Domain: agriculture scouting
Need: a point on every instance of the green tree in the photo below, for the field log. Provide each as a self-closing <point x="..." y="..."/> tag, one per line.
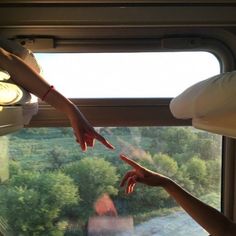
<point x="32" y="202"/>
<point x="213" y="175"/>
<point x="57" y="157"/>
<point x="213" y="199"/>
<point x="195" y="169"/>
<point x="66" y="131"/>
<point x="165" y="164"/>
<point x="206" y="148"/>
<point x="94" y="177"/>
<point x="14" y="168"/>
<point x="178" y="139"/>
<point x="183" y="179"/>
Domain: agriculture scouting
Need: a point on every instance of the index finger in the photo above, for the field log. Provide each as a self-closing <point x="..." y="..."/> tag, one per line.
<point x="132" y="163"/>
<point x="103" y="141"/>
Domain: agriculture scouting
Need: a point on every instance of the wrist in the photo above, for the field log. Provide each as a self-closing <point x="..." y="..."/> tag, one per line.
<point x="73" y="111"/>
<point x="49" y="90"/>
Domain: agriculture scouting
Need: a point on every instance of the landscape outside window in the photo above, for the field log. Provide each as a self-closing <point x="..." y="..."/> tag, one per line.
<point x="52" y="188"/>
<point x="49" y="187"/>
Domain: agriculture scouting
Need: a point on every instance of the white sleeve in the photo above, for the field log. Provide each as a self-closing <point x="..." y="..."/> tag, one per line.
<point x="212" y="96"/>
<point x="211" y="104"/>
<point x="222" y="124"/>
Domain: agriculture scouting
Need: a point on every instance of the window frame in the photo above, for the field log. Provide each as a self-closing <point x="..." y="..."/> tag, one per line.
<point x="128" y="111"/>
<point x="148" y="111"/>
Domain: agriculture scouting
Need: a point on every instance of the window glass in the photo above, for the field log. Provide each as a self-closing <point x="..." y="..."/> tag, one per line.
<point x="49" y="187"/>
<point x="126" y="75"/>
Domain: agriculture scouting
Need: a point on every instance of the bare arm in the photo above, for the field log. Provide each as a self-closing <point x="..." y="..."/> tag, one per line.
<point x="209" y="218"/>
<point x="29" y="79"/>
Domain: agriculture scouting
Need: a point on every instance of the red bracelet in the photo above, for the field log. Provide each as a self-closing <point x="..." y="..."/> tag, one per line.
<point x="48" y="91"/>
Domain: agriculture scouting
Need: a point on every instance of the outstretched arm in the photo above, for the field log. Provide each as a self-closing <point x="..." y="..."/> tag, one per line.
<point x="209" y="218"/>
<point x="30" y="80"/>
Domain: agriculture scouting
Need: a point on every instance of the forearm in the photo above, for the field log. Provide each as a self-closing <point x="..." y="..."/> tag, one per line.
<point x="30" y="80"/>
<point x="58" y="101"/>
<point x="209" y="218"/>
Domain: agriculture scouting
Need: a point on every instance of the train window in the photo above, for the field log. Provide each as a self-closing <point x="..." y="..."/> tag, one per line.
<point x="63" y="189"/>
<point x="49" y="187"/>
<point x="125" y="75"/>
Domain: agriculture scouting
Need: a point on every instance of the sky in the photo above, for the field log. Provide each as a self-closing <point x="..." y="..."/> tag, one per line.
<point x="126" y="75"/>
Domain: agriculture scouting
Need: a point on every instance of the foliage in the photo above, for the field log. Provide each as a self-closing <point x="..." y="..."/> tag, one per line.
<point x="32" y="202"/>
<point x="206" y="148"/>
<point x="14" y="168"/>
<point x="213" y="168"/>
<point x="94" y="177"/>
<point x="196" y="169"/>
<point x="57" y="157"/>
<point x="189" y="156"/>
<point x="4" y="228"/>
<point x="165" y="164"/>
<point x="212" y="199"/>
<point x="146" y="199"/>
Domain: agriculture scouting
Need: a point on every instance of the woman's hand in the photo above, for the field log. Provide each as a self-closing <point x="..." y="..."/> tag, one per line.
<point x="213" y="221"/>
<point x="140" y="174"/>
<point x="84" y="132"/>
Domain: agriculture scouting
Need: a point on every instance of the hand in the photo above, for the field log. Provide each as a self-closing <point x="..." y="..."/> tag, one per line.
<point x="84" y="132"/>
<point x="140" y="174"/>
